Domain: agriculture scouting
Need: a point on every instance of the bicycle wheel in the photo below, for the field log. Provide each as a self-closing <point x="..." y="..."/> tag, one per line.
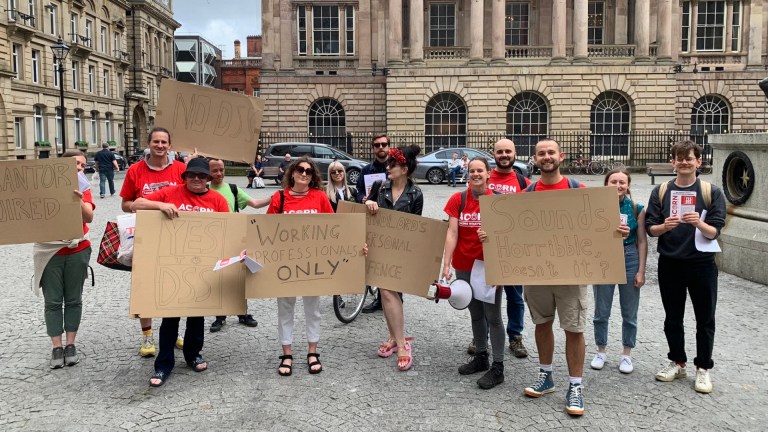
<point x="574" y="167"/>
<point x="596" y="168"/>
<point x="618" y="165"/>
<point x="348" y="306"/>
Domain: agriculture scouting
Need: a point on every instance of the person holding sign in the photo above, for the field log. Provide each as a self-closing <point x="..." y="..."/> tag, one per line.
<point x="398" y="193"/>
<point x="462" y="248"/>
<point x="632" y="229"/>
<point x="153" y="173"/>
<point x="678" y="211"/>
<point x="60" y="270"/>
<point x="569" y="301"/>
<point x="337" y="187"/>
<point x="194" y="195"/>
<point x="302" y="193"/>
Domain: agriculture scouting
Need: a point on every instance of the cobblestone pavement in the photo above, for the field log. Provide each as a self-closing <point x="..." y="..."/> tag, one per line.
<point x="109" y="389"/>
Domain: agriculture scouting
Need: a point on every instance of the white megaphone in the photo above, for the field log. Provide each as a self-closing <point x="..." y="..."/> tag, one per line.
<point x="458" y="293"/>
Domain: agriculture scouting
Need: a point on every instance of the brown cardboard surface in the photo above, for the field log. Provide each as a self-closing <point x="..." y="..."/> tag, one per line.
<point x="217" y="123"/>
<point x="405" y="251"/>
<point x="565" y="237"/>
<point x="37" y="201"/>
<point x="306" y="255"/>
<point x="173" y="265"/>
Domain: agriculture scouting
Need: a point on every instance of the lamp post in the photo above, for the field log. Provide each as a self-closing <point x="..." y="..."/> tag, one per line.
<point x="60" y="52"/>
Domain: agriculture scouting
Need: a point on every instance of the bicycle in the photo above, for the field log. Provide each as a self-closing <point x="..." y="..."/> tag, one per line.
<point x="588" y="166"/>
<point x="532" y="168"/>
<point x="348" y="306"/>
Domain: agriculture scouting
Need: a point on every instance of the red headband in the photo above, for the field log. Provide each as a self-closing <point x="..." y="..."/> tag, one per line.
<point x="398" y="156"/>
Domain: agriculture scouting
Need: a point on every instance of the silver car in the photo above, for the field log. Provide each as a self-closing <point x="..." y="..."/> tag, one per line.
<point x="321" y="154"/>
<point x="446" y="154"/>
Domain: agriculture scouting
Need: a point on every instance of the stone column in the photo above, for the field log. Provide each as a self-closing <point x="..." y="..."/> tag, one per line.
<point x="395" y="34"/>
<point x="642" y="29"/>
<point x="580" y="16"/>
<point x="620" y="23"/>
<point x="664" y="31"/>
<point x="364" y="35"/>
<point x="476" y="33"/>
<point x="498" y="32"/>
<point x="754" y="59"/>
<point x="417" y="32"/>
<point x="558" y="31"/>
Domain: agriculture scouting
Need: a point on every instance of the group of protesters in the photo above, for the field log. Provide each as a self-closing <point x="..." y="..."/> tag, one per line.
<point x="170" y="186"/>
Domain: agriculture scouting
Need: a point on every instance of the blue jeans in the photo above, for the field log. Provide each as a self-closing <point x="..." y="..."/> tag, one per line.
<point x="452" y="172"/>
<point x="103" y="177"/>
<point x="515" y="310"/>
<point x="629" y="299"/>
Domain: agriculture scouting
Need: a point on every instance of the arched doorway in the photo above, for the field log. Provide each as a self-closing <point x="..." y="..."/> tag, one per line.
<point x="138" y="128"/>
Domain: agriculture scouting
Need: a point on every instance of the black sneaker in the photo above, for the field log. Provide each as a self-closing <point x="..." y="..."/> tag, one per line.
<point x="493" y="377"/>
<point x="478" y="363"/>
<point x="247" y="320"/>
<point x="218" y="324"/>
<point x="57" y="358"/>
<point x="373" y="307"/>
<point x="70" y="355"/>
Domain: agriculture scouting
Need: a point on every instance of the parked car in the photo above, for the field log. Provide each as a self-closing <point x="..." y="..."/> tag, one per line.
<point x="321" y="154"/>
<point x="90" y="165"/>
<point x="433" y="171"/>
<point x="446" y="155"/>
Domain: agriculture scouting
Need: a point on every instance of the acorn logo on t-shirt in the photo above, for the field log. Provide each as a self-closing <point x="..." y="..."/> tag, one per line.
<point x="154" y="187"/>
<point x="300" y="211"/>
<point x="505" y="189"/>
<point x="471" y="220"/>
<point x="194" y="208"/>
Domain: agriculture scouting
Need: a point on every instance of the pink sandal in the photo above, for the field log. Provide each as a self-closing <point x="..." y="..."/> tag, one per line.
<point x="408" y="359"/>
<point x="386" y="350"/>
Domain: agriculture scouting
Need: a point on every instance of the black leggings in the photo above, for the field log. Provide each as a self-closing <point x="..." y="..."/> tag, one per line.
<point x="485" y="315"/>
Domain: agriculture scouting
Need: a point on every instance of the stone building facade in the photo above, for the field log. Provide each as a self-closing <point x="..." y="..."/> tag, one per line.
<point x="119" y="51"/>
<point x="241" y="74"/>
<point x="447" y="69"/>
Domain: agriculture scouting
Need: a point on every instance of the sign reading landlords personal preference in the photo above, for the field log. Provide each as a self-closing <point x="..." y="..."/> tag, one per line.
<point x="553" y="238"/>
<point x="306" y="255"/>
<point x="404" y="250"/>
<point x="38" y="202"/>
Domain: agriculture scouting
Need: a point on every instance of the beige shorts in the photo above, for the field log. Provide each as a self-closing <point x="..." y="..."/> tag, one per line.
<point x="570" y="302"/>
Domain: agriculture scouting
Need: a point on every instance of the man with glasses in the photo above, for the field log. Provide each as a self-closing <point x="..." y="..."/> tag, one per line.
<point x="380" y="144"/>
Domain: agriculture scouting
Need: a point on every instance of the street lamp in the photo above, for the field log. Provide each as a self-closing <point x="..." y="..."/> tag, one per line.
<point x="60" y="52"/>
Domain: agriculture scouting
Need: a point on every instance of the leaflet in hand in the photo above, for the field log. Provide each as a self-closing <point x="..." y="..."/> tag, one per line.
<point x="682" y="202"/>
<point x="624" y="219"/>
<point x="252" y="265"/>
<point x="370" y="179"/>
<point x="83" y="182"/>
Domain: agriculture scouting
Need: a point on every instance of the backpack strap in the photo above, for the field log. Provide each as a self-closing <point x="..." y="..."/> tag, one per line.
<point x="282" y="201"/>
<point x="706" y="192"/>
<point x="463" y="201"/>
<point x="234" y="190"/>
<point x="572" y="184"/>
<point x="531" y="187"/>
<point x="663" y="191"/>
<point x="520" y="179"/>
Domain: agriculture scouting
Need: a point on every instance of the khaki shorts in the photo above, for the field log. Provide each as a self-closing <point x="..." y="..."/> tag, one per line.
<point x="570" y="302"/>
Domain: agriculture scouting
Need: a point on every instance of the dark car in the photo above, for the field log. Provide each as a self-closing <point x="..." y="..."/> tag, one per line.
<point x="446" y="155"/>
<point x="321" y="154"/>
<point x="90" y="165"/>
<point x="433" y="171"/>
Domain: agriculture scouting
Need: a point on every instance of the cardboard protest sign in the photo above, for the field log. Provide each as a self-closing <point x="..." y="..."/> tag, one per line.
<point x="173" y="262"/>
<point x="217" y="123"/>
<point x="565" y="237"/>
<point x="38" y="202"/>
<point x="306" y="255"/>
<point x="405" y="251"/>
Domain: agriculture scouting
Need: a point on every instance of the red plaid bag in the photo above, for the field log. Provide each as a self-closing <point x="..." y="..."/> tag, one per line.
<point x="110" y="243"/>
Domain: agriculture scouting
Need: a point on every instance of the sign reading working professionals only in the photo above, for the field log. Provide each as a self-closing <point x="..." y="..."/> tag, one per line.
<point x="405" y="251"/>
<point x="565" y="237"/>
<point x="215" y="122"/>
<point x="38" y="202"/>
<point x="306" y="255"/>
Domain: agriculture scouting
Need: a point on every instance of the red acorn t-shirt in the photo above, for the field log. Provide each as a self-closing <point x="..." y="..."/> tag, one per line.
<point x="315" y="201"/>
<point x="562" y="184"/>
<point x="184" y="200"/>
<point x="468" y="247"/>
<point x="506" y="183"/>
<point x="88" y="198"/>
<point x="140" y="180"/>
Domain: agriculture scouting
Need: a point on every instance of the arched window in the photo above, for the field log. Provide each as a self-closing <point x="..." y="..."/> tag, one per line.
<point x="78" y="129"/>
<point x="39" y="124"/>
<point x="609" y="122"/>
<point x="327" y="123"/>
<point x="710" y="115"/>
<point x="445" y="122"/>
<point x="527" y="121"/>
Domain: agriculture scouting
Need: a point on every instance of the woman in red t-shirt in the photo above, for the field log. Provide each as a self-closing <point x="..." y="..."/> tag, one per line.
<point x="302" y="193"/>
<point x="60" y="270"/>
<point x="462" y="248"/>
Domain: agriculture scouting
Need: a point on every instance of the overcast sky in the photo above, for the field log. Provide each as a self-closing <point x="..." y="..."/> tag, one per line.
<point x="219" y="21"/>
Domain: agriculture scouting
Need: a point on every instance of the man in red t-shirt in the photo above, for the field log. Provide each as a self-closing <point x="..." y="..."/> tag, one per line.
<point x="193" y="195"/>
<point x="569" y="301"/>
<point x="143" y="178"/>
<point x="504" y="179"/>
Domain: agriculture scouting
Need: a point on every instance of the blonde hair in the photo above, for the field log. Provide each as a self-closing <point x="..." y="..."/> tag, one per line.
<point x="330" y="189"/>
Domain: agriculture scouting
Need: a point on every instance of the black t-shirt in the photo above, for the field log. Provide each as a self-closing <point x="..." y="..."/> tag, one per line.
<point x="104" y="160"/>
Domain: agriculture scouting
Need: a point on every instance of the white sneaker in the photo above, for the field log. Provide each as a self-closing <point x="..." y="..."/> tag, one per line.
<point x="599" y="361"/>
<point x="671" y="372"/>
<point x="626" y="365"/>
<point x="703" y="383"/>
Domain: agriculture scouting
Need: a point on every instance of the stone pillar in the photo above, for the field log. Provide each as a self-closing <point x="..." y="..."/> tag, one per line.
<point x="558" y="31"/>
<point x="642" y="29"/>
<point x="417" y="31"/>
<point x="754" y="59"/>
<point x="620" y="23"/>
<point x="395" y="34"/>
<point x="580" y="16"/>
<point x="287" y="23"/>
<point x="476" y="33"/>
<point x="364" y="35"/>
<point x="664" y="31"/>
<point x="498" y="32"/>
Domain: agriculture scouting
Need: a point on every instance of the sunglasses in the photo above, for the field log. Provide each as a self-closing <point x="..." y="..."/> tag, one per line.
<point x="309" y="172"/>
<point x="337" y="171"/>
<point x="380" y="145"/>
<point x="199" y="176"/>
